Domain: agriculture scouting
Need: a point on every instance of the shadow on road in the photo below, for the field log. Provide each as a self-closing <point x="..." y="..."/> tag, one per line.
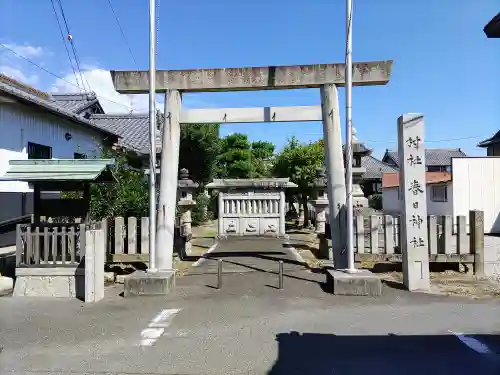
<point x="267" y="255"/>
<point x="318" y="354"/>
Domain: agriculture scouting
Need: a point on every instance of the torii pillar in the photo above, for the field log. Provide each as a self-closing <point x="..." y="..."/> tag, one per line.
<point x="327" y="77"/>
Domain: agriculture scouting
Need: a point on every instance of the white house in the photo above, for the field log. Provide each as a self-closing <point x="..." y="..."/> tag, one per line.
<point x="476" y="186"/>
<point x="439" y="193"/>
<point x="36" y="125"/>
<point x="473" y="184"/>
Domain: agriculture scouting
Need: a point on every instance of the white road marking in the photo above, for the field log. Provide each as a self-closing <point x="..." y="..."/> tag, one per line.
<point x="156" y="328"/>
<point x="201" y="260"/>
<point x="473" y="343"/>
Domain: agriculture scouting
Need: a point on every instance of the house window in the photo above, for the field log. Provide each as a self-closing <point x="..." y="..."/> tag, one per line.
<point x="78" y="155"/>
<point x="37" y="151"/>
<point x="377" y="187"/>
<point x="439" y="193"/>
<point x="438" y="168"/>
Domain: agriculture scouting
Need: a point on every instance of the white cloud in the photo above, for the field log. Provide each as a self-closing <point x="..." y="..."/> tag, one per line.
<point x="18" y="75"/>
<point x="13" y="66"/>
<point x="26" y="50"/>
<point x="99" y="81"/>
<point x="96" y="79"/>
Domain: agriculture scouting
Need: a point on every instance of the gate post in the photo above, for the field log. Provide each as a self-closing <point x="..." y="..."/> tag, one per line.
<point x="95" y="249"/>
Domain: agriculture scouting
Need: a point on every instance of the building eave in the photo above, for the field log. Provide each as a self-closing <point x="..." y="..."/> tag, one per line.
<point x="492" y="28"/>
<point x="490" y="141"/>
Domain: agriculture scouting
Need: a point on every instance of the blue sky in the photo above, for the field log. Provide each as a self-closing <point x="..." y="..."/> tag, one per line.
<point x="444" y="66"/>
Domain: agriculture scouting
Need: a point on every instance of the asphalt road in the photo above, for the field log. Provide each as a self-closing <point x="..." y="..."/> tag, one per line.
<point x="250" y="327"/>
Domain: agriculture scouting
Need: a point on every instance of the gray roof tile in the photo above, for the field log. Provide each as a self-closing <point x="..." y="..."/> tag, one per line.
<point x="375" y="167"/>
<point x="132" y="128"/>
<point x="75" y="102"/>
<point x="433" y="156"/>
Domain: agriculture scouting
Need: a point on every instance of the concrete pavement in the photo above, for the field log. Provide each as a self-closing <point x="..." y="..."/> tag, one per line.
<point x="248" y="254"/>
<point x="251" y="327"/>
<point x="247" y="328"/>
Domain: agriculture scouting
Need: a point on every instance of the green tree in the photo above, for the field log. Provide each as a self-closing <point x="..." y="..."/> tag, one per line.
<point x="299" y="162"/>
<point x="262" y="156"/>
<point x="199" y="147"/>
<point x="234" y="160"/>
<point x="241" y="159"/>
<point x="127" y="196"/>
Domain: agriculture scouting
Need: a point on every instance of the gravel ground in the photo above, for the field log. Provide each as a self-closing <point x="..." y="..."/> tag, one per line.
<point x="448" y="282"/>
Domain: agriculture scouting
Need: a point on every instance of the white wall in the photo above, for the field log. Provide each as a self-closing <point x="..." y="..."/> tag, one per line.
<point x="20" y="124"/>
<point x="476" y="186"/>
<point x="392" y="205"/>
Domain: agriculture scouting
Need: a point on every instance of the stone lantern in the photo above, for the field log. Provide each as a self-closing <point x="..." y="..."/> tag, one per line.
<point x="185" y="189"/>
<point x="358" y="151"/>
<point x="320" y="204"/>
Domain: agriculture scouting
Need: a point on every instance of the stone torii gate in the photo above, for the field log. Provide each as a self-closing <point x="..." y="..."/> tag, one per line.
<point x="326" y="77"/>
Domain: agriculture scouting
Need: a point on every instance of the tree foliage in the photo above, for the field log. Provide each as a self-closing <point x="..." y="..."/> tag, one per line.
<point x="199" y="147"/>
<point x="239" y="158"/>
<point x="127" y="196"/>
<point x="262" y="157"/>
<point x="299" y="162"/>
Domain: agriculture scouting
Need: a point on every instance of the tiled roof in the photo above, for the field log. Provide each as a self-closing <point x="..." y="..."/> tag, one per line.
<point x="133" y="129"/>
<point x="48" y="105"/>
<point x="375" y="167"/>
<point x="433" y="156"/>
<point x="359" y="148"/>
<point x="75" y="102"/>
<point x="390" y="180"/>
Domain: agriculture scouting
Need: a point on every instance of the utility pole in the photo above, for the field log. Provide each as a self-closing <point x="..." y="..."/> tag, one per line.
<point x="152" y="137"/>
<point x="348" y="131"/>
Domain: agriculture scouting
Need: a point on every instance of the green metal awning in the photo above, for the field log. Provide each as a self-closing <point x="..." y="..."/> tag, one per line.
<point x="54" y="170"/>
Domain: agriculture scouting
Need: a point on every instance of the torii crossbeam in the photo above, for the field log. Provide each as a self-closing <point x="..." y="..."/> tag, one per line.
<point x="373" y="73"/>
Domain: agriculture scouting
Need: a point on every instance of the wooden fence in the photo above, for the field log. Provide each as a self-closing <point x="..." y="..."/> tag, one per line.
<point x="378" y="237"/>
<point x="127" y="240"/>
<point x="49" y="245"/>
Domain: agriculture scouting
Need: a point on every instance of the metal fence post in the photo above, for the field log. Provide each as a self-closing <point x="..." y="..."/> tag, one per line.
<point x="280" y="275"/>
<point x="219" y="274"/>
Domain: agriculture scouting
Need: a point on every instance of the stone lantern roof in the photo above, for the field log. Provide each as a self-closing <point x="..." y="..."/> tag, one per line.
<point x="321" y="180"/>
<point x="184" y="181"/>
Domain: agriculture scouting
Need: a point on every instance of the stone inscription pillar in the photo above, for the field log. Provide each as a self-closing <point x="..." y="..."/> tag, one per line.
<point x="412" y="182"/>
<point x="168" y="181"/>
<point x="334" y="162"/>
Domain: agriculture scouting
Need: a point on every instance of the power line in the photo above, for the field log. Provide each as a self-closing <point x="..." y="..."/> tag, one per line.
<point x="58" y="76"/>
<point x="65" y="45"/>
<point x="73" y="47"/>
<point x="426" y="141"/>
<point x="123" y="34"/>
<point x="157" y="26"/>
<point x="437" y="140"/>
